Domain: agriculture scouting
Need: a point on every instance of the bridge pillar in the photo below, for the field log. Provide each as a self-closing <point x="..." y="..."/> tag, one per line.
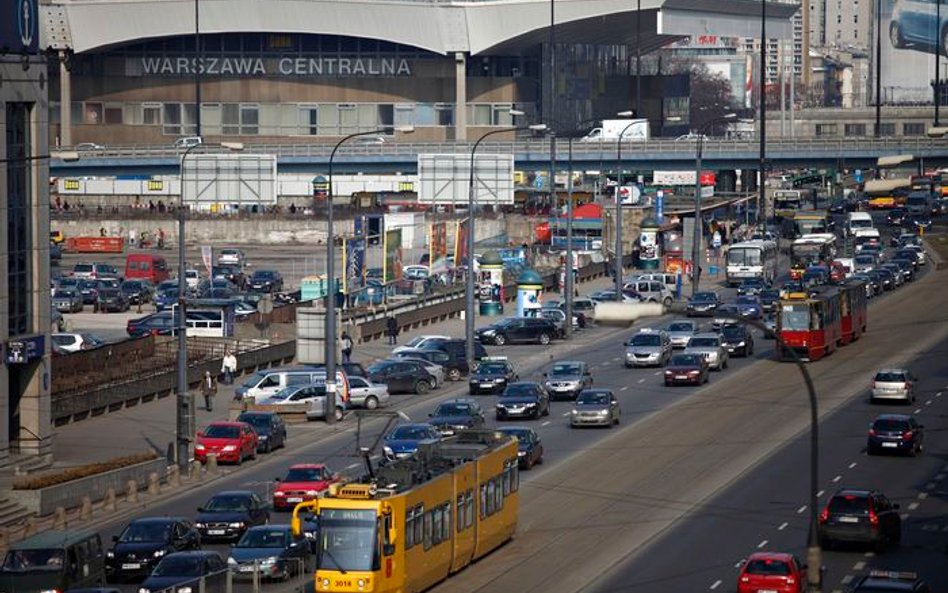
<point x="65" y="101"/>
<point x="748" y="179"/>
<point x="726" y="181"/>
<point x="460" y="96"/>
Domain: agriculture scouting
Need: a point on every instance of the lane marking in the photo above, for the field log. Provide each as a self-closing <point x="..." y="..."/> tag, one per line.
<point x="913" y="505"/>
<point x="922" y="495"/>
<point x="352" y="466"/>
<point x="547" y="423"/>
<point x="852" y="465"/>
<point x="846" y="579"/>
<point x="624" y="387"/>
<point x="930" y="486"/>
<point x="917" y="411"/>
<point x="641" y="380"/>
<point x="939" y="477"/>
<point x="657" y="373"/>
<point x="869" y="554"/>
<point x="938" y="394"/>
<point x="820" y="493"/>
<point x="761" y="544"/>
<point x="928" y="403"/>
<point x="565" y="414"/>
<point x="715" y="585"/>
<point x="837" y="478"/>
<point x="859" y="565"/>
<point x="801" y="509"/>
<point x="738" y="563"/>
<point x="782" y="526"/>
<point x="904" y="516"/>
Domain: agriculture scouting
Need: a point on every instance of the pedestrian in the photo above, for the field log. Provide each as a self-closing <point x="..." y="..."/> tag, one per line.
<point x="392" y="330"/>
<point x="229" y="367"/>
<point x="346" y="344"/>
<point x="102" y="232"/>
<point x="208" y="390"/>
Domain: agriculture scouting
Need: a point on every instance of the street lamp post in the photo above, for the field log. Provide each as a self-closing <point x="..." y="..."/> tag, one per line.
<point x="469" y="276"/>
<point x="184" y="409"/>
<point x="696" y="243"/>
<point x="762" y="174"/>
<point x="939" y="35"/>
<point x="618" y="241"/>
<point x="330" y="334"/>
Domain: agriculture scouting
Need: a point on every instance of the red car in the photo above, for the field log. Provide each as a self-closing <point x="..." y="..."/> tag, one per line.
<point x="772" y="571"/>
<point x="232" y="442"/>
<point x="302" y="482"/>
<point x="687" y="369"/>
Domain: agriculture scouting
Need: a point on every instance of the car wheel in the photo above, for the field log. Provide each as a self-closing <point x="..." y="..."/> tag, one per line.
<point x="253" y="453"/>
<point x="422" y="387"/>
<point x="895" y="35"/>
<point x="339" y="415"/>
<point x="240" y="458"/>
<point x="724" y="364"/>
<point x="500" y="339"/>
<point x="454" y="374"/>
<point x="667" y="302"/>
<point x="544" y="339"/>
<point x="371" y="403"/>
<point x="268" y="448"/>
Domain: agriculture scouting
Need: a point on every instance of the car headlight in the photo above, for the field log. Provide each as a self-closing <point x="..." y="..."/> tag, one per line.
<point x="229" y="448"/>
<point x="574" y="412"/>
<point x="184" y="590"/>
<point x="312" y="492"/>
<point x="530" y="405"/>
<point x="521" y="453"/>
<point x="270" y="560"/>
<point x="231" y="561"/>
<point x="262" y="437"/>
<point x="499" y="380"/>
<point x="143" y="590"/>
<point x="279" y="493"/>
<point x="741" y="344"/>
<point x="237" y="525"/>
<point x="159" y="553"/>
<point x="388" y="451"/>
<point x="489" y="332"/>
<point x="667" y="372"/>
<point x="200" y="525"/>
<point x="603" y="412"/>
<point x="110" y="554"/>
<point x="198" y="447"/>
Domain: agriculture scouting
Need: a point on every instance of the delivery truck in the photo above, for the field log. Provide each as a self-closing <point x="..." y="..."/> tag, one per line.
<point x="635" y="130"/>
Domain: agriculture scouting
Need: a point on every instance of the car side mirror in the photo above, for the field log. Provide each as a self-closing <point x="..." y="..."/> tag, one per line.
<point x="115" y="538"/>
<point x="200" y="509"/>
<point x="431" y="415"/>
<point x="276" y="479"/>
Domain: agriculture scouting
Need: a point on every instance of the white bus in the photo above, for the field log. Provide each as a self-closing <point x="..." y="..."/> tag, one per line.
<point x="206" y="321"/>
<point x="751" y="259"/>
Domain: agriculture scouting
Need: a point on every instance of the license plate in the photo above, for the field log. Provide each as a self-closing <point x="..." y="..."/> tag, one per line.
<point x="215" y="532"/>
<point x="131" y="566"/>
<point x="766" y="591"/>
<point x="680" y="377"/>
<point x="890" y="444"/>
<point x="848" y="520"/>
<point x="294" y="499"/>
<point x="248" y="568"/>
<point x="487" y="385"/>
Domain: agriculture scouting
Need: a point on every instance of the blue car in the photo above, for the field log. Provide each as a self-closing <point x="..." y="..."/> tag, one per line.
<point x="156" y="324"/>
<point x="165" y="299"/>
<point x="405" y="439"/>
<point x="749" y="306"/>
<point x="914" y="25"/>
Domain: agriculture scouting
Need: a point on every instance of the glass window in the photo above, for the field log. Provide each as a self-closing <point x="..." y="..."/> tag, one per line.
<point x="172" y="119"/>
<point x="479" y="115"/>
<point x="445" y="114"/>
<point x="483" y="501"/>
<point x="210" y="118"/>
<point x="427" y="535"/>
<point x="151" y="114"/>
<point x="419" y="523"/>
<point x="446" y="524"/>
<point x="851" y="130"/>
<point x="249" y="120"/>
<point x="913" y="129"/>
<point x="505" y="479"/>
<point x="308" y="120"/>
<point x="460" y="512"/>
<point x="437" y="525"/>
<point x="827" y="130"/>
<point x="133" y="114"/>
<point x="188" y="119"/>
<point x="230" y="119"/>
<point x="404" y="114"/>
<point x="501" y="115"/>
<point x="19" y="218"/>
<point x="469" y="508"/>
<point x="498" y="494"/>
<point x="887" y="129"/>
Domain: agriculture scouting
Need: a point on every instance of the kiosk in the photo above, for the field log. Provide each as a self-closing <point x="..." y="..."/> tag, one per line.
<point x="529" y="293"/>
<point x="490" y="287"/>
<point x="650" y="254"/>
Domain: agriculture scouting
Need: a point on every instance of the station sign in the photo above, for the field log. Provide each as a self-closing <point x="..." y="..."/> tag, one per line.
<point x="19" y="27"/>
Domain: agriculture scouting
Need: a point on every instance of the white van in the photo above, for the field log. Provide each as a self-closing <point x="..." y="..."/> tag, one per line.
<point x="863" y="238"/>
<point x="669" y="280"/>
<point x="263" y="384"/>
<point x="188" y="142"/>
<point x="858" y="220"/>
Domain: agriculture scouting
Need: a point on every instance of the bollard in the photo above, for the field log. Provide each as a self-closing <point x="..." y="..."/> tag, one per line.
<point x="59" y="518"/>
<point x="196" y="473"/>
<point x="212" y="464"/>
<point x="132" y="491"/>
<point x="154" y="483"/>
<point x="30" y="527"/>
<point x="108" y="503"/>
<point x="85" y="512"/>
<point x="174" y="476"/>
<point x="169" y="455"/>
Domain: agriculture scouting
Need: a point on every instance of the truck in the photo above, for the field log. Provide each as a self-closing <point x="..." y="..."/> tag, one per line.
<point x="636" y="130"/>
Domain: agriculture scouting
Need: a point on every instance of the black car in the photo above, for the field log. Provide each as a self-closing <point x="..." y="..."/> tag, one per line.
<point x="860" y="516"/>
<point x="881" y="281"/>
<point x="144" y="542"/>
<point x="737" y="340"/>
<point x="187" y="568"/>
<point x="266" y="281"/>
<point x="270" y="427"/>
<point x="401" y="376"/>
<point x="769" y="297"/>
<point x="136" y="291"/>
<point x="271" y="550"/>
<point x="491" y="376"/>
<point x="529" y="445"/>
<point x="232" y="274"/>
<point x="909" y="254"/>
<point x="156" y="324"/>
<point x="228" y="514"/>
<point x="898" y="433"/>
<point x="452" y="366"/>
<point x="895" y="216"/>
<point x="351" y="369"/>
<point x="513" y="330"/>
<point x="702" y="303"/>
<point x="89" y="289"/>
<point x="111" y="299"/>
<point x="890" y="581"/>
<point x="523" y="400"/>
<point x="458" y="414"/>
<point x="751" y="286"/>
<point x="457" y="350"/>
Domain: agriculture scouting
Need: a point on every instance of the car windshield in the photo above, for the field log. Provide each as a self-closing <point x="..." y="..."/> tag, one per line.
<point x="348" y="540"/>
<point x="222" y="432"/>
<point x="703" y="343"/>
<point x="263" y="538"/>
<point x="523" y="434"/>
<point x="410" y="433"/>
<point x="519" y="389"/>
<point x="33" y="560"/>
<point x="180" y="566"/>
<point x="849" y="505"/>
<point x="681" y="327"/>
<point x="64" y="294"/>
<point x="146" y="532"/>
<point x="304" y="474"/>
<point x="733" y="332"/>
<point x="593" y="398"/>
<point x="769" y="293"/>
<point x="453" y="410"/>
<point x="566" y="369"/>
<point x="256" y="420"/>
<point x="263" y="274"/>
<point x="795" y="317"/>
<point x="685" y="360"/>
<point x="891" y="424"/>
<point x="889" y="377"/>
<point x="82" y="268"/>
<point x="492" y="368"/>
<point x="767" y="567"/>
<point x="646" y="340"/>
<point x="704" y="296"/>
<point x="228" y="503"/>
<point x="377" y="367"/>
<point x="746" y="300"/>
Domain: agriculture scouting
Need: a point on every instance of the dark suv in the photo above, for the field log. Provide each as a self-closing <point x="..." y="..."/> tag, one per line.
<point x="457" y="350"/>
<point x="860" y="516"/>
<point x="514" y="330"/>
<point x="899" y="433"/>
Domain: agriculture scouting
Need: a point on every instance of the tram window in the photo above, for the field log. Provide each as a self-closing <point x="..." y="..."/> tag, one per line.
<point x="387" y="548"/>
<point x="505" y="479"/>
<point x="409" y="528"/>
<point x="460" y="512"/>
<point x="469" y="508"/>
<point x="419" y="523"/>
<point x="446" y="525"/>
<point x="483" y="511"/>
<point x="498" y="494"/>
<point x="515" y="477"/>
<point x="427" y="523"/>
<point x="817" y="319"/>
<point x="437" y="525"/>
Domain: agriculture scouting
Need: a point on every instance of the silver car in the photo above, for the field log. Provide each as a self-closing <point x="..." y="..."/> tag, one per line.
<point x="679" y="332"/>
<point x="648" y="348"/>
<point x="709" y="346"/>
<point x="565" y="379"/>
<point x="893" y="385"/>
<point x="595" y="407"/>
<point x="364" y="394"/>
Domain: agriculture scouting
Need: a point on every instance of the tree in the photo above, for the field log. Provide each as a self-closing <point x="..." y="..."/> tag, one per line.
<point x="711" y="98"/>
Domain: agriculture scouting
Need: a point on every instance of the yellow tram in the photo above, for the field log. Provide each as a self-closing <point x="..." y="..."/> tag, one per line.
<point x="419" y="519"/>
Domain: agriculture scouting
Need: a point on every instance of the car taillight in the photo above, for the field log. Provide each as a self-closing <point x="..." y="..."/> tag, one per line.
<point x="873" y="517"/>
<point x="745" y="579"/>
<point x="825" y="515"/>
<point x="907" y="435"/>
<point x="872" y="432"/>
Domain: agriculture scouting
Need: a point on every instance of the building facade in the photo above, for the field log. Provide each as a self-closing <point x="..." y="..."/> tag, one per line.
<point x="24" y="238"/>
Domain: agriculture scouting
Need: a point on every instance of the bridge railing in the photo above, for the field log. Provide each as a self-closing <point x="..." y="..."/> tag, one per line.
<point x="606" y="150"/>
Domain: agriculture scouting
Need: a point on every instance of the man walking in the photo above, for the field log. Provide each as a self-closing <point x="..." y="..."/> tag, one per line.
<point x="392" y="331"/>
<point x="345" y="343"/>
<point x="208" y="390"/>
<point x="229" y="367"/>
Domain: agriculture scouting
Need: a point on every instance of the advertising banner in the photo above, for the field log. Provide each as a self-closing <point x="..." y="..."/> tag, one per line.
<point x="460" y="242"/>
<point x="392" y="263"/>
<point x="437" y="241"/>
<point x="354" y="257"/>
<point x="909" y="42"/>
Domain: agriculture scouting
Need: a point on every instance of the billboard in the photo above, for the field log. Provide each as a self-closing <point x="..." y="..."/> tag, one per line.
<point x="437" y="241"/>
<point x="229" y="178"/>
<point x="354" y="257"/>
<point x="392" y="263"/>
<point x="445" y="178"/>
<point x="909" y="40"/>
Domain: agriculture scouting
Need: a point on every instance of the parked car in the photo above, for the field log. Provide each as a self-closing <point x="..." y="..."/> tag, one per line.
<point x="156" y="324"/>
<point x="270" y="428"/>
<point x="365" y="394"/>
<point x="232" y="442"/>
<point x="515" y="330"/>
<point x="301" y="483"/>
<point x="64" y="343"/>
<point x="529" y="445"/>
<point x="438" y="364"/>
<point x="137" y="291"/>
<point x="595" y="407"/>
<point x="226" y="515"/>
<point x="144" y="542"/>
<point x="400" y="377"/>
<point x="231" y="257"/>
<point x="268" y="281"/>
<point x="89" y="291"/>
<point x="457" y="350"/>
<point x="272" y="551"/>
<point x="185" y="570"/>
<point x="419" y="342"/>
<point x="112" y="300"/>
<point x="67" y="300"/>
